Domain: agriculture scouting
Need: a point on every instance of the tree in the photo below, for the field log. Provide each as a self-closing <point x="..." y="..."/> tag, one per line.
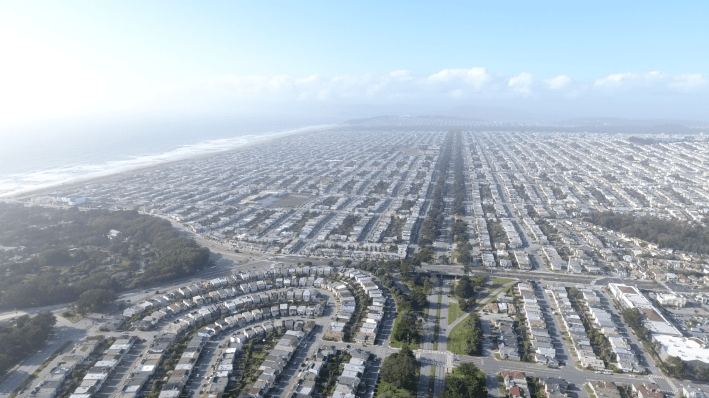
<point x="407" y="329"/>
<point x="464" y="288"/>
<point x="95" y="300"/>
<point x="424" y="255"/>
<point x="675" y="367"/>
<point x="466" y="381"/>
<point x="419" y="299"/>
<point x="22" y="339"/>
<point x="67" y="252"/>
<point x="634" y="318"/>
<point x="386" y="390"/>
<point x="467" y="304"/>
<point x="701" y="373"/>
<point x="399" y="369"/>
<point x="674" y="234"/>
<point x="475" y="339"/>
<point x="478" y="281"/>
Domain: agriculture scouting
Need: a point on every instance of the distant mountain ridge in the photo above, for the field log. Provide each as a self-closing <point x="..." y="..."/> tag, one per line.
<point x="585" y="125"/>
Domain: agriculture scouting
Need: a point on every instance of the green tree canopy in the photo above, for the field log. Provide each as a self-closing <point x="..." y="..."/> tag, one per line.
<point x="22" y="339"/>
<point x="95" y="300"/>
<point x="399" y="369"/>
<point x="466" y="381"/>
<point x="408" y="328"/>
<point x="464" y="288"/>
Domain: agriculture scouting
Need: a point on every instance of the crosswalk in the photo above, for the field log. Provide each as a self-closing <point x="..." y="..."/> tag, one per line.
<point x="667" y="379"/>
<point x="425" y="351"/>
<point x="476" y="361"/>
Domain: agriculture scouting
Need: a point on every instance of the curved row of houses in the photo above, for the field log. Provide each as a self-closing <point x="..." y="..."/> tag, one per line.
<point x="219" y="312"/>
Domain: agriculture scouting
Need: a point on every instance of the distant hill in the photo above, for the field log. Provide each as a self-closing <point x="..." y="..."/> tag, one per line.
<point x="443" y="122"/>
<point x="616" y="122"/>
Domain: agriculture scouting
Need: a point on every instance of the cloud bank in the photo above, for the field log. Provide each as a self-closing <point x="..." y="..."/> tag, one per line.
<point x="51" y="85"/>
<point x="452" y="85"/>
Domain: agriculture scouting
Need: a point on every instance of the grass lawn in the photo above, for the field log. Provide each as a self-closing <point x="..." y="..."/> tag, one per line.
<point x="432" y="381"/>
<point x="590" y="392"/>
<point x="488" y="301"/>
<point x="453" y="312"/>
<point x="457" y="339"/>
<point x="72" y="317"/>
<point x="497" y="282"/>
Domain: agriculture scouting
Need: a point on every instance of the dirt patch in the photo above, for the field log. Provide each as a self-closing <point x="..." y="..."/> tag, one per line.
<point x="290" y="201"/>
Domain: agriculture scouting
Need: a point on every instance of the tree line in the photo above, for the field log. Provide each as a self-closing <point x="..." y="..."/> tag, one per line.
<point x="22" y="338"/>
<point x="671" y="234"/>
<point x="66" y="252"/>
<point x="434" y="218"/>
<point x="474" y="340"/>
<point x="463" y="249"/>
<point x="458" y="178"/>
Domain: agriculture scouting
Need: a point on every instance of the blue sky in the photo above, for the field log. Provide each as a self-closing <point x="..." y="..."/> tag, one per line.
<point x="92" y="58"/>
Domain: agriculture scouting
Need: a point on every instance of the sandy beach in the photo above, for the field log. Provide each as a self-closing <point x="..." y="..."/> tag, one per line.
<point x="80" y="182"/>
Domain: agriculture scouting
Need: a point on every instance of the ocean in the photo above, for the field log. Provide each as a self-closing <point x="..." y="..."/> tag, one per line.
<point x="50" y="156"/>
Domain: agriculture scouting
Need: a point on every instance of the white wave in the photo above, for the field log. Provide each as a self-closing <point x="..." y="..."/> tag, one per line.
<point x="55" y="176"/>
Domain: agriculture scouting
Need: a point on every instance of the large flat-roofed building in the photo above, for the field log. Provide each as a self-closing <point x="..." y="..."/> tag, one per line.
<point x="692" y="351"/>
<point x="671" y="299"/>
<point x="629" y="296"/>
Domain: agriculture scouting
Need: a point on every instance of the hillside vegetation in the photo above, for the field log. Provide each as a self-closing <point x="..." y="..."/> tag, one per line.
<point x="670" y="234"/>
<point x="51" y="256"/>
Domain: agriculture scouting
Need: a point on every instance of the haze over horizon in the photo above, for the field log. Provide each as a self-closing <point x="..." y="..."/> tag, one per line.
<point x="82" y="61"/>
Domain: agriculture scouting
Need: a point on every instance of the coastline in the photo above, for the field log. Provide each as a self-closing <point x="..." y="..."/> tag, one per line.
<point x="269" y="138"/>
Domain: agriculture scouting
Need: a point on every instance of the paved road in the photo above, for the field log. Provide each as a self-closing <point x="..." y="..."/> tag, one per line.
<point x="427" y="340"/>
<point x="564" y="353"/>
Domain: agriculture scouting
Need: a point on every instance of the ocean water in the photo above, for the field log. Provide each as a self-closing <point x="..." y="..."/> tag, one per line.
<point x="53" y="155"/>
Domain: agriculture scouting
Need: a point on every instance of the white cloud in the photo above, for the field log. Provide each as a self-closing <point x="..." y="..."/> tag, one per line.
<point x="475" y="78"/>
<point x="521" y="83"/>
<point x="41" y="82"/>
<point x="629" y="81"/>
<point x="615" y="80"/>
<point x="558" y="83"/>
<point x="449" y="85"/>
<point x="689" y="82"/>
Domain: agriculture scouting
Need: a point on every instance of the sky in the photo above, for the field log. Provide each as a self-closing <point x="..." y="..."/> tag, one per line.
<point x="98" y="59"/>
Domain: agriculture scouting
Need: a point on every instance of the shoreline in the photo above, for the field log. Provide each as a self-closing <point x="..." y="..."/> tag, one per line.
<point x="41" y="191"/>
